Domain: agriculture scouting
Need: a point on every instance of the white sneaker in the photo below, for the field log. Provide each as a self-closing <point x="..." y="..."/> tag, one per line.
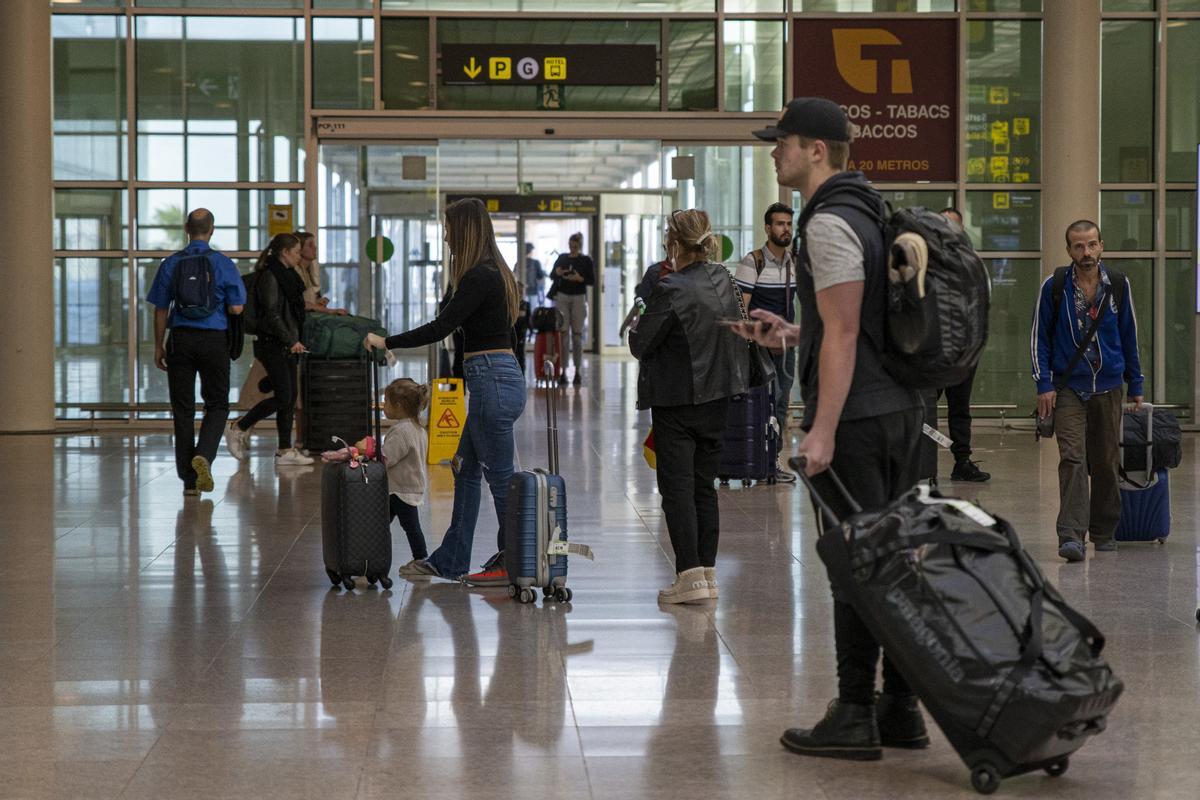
<point x="235" y="441"/>
<point x="292" y="458"/>
<point x="710" y="575"/>
<point x="689" y="587"/>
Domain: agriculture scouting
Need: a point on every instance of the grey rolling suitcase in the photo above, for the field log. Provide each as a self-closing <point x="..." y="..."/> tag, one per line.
<point x="356" y="534"/>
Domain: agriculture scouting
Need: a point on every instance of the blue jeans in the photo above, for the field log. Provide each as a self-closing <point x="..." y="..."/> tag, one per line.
<point x="496" y="392"/>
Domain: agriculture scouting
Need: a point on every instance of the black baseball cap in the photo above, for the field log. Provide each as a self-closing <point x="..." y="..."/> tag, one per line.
<point x="811" y="117"/>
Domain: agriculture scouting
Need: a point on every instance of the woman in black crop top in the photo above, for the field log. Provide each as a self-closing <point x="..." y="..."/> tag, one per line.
<point x="483" y="304"/>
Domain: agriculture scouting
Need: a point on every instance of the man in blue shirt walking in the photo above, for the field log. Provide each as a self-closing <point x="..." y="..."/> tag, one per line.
<point x="193" y="293"/>
<point x="1079" y="381"/>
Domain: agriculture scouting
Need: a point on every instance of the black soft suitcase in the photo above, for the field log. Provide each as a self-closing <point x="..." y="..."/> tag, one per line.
<point x="751" y="450"/>
<point x="356" y="534"/>
<point x="1011" y="673"/>
<point x="535" y="522"/>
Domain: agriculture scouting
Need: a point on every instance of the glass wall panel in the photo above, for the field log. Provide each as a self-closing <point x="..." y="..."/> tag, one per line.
<point x="219" y="3"/>
<point x="1127" y="5"/>
<point x="754" y="61"/>
<point x="87" y="3"/>
<point x="343" y="62"/>
<point x="1127" y="220"/>
<point x="91" y="219"/>
<point x="220" y="98"/>
<point x="753" y="6"/>
<point x="1004" y="220"/>
<point x="405" y="63"/>
<point x="91" y="311"/>
<point x="1127" y="101"/>
<point x="1004" y="370"/>
<point x="934" y="200"/>
<point x="862" y="6"/>
<point x="1183" y="98"/>
<point x="733" y="184"/>
<point x="1179" y="336"/>
<point x="1003" y="5"/>
<point x="363" y="4"/>
<point x="1140" y="272"/>
<point x="692" y="83"/>
<point x="240" y="215"/>
<point x="1183" y="5"/>
<point x="1180" y="223"/>
<point x="1004" y="78"/>
<point x="605" y="6"/>
<point x="550" y="31"/>
<point x="89" y="97"/>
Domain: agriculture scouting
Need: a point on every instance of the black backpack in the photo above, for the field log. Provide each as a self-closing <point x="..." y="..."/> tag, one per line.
<point x="194" y="286"/>
<point x="545" y="319"/>
<point x="250" y="309"/>
<point x="935" y="340"/>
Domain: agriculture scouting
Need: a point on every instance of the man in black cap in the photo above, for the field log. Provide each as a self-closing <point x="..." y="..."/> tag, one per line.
<point x="858" y="420"/>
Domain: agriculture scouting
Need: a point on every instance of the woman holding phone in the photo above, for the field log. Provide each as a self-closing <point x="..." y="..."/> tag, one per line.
<point x="690" y="365"/>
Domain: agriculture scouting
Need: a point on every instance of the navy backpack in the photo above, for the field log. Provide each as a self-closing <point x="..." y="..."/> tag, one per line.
<point x="195" y="286"/>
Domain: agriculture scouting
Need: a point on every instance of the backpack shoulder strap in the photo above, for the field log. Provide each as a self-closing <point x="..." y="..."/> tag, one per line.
<point x="759" y="263"/>
<point x="1119" y="284"/>
<point x="1058" y="285"/>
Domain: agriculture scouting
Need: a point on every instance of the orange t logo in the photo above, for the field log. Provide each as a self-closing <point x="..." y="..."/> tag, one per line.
<point x="863" y="73"/>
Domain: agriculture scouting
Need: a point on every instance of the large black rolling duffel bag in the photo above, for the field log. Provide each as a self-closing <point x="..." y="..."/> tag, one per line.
<point x="356" y="536"/>
<point x="1011" y="673"/>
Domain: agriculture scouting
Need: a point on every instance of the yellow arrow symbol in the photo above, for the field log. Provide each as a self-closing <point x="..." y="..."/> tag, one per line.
<point x="473" y="69"/>
<point x="541" y="205"/>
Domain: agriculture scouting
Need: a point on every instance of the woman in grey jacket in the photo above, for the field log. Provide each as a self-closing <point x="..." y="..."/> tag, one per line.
<point x="689" y="368"/>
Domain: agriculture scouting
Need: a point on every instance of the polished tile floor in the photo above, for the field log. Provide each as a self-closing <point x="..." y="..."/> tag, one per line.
<point x="162" y="648"/>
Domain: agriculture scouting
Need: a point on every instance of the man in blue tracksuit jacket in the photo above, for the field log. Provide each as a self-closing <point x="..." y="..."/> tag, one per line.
<point x="1086" y="403"/>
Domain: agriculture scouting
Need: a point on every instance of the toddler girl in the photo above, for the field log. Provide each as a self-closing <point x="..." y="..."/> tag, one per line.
<point x="404" y="451"/>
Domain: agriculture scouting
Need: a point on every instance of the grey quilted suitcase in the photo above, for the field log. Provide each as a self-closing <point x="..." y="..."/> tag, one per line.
<point x="356" y="534"/>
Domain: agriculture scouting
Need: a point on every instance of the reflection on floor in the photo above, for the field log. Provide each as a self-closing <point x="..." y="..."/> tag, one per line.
<point x="152" y="647"/>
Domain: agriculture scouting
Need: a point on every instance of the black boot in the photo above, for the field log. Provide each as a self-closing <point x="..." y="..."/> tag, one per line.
<point x="847" y="731"/>
<point x="900" y="722"/>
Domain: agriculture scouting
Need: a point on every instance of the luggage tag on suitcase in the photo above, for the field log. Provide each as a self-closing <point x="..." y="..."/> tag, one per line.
<point x="968" y="510"/>
<point x="939" y="437"/>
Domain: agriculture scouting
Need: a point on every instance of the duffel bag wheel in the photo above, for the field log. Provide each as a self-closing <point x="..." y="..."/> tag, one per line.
<point x="1198" y="615"/>
<point x="1058" y="767"/>
<point x="985" y="779"/>
<point x="527" y="595"/>
<point x="385" y="582"/>
<point x="334" y="577"/>
<point x="563" y="595"/>
<point x="348" y="583"/>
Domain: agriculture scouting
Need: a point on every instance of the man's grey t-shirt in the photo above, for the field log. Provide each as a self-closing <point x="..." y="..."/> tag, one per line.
<point x="835" y="255"/>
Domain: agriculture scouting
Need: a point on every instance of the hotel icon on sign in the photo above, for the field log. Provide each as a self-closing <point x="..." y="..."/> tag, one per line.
<point x="556" y="68"/>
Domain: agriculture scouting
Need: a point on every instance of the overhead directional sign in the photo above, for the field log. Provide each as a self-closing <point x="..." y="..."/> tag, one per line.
<point x="531" y="64"/>
<point x="534" y="203"/>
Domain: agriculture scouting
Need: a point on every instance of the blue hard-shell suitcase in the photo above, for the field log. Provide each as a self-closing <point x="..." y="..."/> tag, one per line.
<point x="535" y="523"/>
<point x="1145" y="495"/>
<point x="751" y="449"/>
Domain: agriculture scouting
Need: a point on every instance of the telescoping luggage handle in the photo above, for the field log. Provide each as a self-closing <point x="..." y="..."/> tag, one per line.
<point x="551" y="417"/>
<point x="1150" y="478"/>
<point x="798" y="465"/>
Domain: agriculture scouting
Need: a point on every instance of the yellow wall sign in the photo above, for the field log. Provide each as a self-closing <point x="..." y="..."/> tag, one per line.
<point x="447" y="416"/>
<point x="279" y="219"/>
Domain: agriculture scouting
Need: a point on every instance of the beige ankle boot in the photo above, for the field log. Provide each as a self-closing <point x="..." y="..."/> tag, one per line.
<point x="689" y="587"/>
<point x="710" y="575"/>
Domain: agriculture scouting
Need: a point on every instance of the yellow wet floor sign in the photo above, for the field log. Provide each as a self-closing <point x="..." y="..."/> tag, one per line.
<point x="447" y="415"/>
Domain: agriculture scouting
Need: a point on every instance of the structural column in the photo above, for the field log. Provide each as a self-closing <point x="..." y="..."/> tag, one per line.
<point x="26" y="224"/>
<point x="1070" y="122"/>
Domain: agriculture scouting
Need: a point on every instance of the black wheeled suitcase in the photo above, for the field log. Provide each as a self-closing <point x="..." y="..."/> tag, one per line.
<point x="535" y="523"/>
<point x="1011" y="673"/>
<point x="356" y="534"/>
<point x="751" y="450"/>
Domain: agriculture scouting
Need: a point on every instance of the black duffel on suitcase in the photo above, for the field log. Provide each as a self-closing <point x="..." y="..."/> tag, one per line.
<point x="1011" y="673"/>
<point x="356" y="536"/>
<point x="1168" y="440"/>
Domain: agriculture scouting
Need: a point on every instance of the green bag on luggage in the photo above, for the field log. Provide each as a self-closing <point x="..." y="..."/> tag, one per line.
<point x="335" y="336"/>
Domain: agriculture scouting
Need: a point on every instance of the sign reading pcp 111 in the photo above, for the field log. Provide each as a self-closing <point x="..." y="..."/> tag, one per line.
<point x="897" y="79"/>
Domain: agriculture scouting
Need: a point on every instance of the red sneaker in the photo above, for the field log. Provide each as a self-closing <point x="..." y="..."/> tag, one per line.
<point x="493" y="576"/>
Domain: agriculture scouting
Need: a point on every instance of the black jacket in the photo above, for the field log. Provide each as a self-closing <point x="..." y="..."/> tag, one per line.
<point x="279" y="316"/>
<point x="686" y="357"/>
